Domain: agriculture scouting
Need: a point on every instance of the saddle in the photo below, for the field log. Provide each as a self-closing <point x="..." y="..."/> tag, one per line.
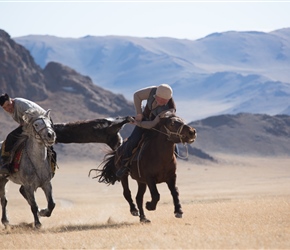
<point x="136" y="152"/>
<point x="16" y="158"/>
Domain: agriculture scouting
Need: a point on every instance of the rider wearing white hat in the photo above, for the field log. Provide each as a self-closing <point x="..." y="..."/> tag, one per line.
<point x="159" y="99"/>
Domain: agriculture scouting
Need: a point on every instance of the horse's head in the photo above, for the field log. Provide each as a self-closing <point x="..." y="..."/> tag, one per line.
<point x="40" y="125"/>
<point x="176" y="129"/>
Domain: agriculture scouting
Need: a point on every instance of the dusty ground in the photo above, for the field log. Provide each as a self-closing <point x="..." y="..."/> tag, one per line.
<point x="239" y="203"/>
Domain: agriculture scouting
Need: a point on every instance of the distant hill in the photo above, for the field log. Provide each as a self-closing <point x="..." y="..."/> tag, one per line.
<point x="222" y="73"/>
<point x="73" y="96"/>
<point x="70" y="95"/>
<point x="244" y="134"/>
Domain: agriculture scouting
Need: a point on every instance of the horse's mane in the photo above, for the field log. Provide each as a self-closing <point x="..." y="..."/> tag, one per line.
<point x="29" y="116"/>
<point x="31" y="113"/>
<point x="167" y="115"/>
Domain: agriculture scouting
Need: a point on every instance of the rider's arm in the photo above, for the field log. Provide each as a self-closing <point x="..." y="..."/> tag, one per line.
<point x="151" y="124"/>
<point x="148" y="124"/>
<point x="21" y="105"/>
<point x="139" y="96"/>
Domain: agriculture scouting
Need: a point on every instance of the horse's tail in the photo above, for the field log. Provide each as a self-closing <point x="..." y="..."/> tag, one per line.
<point x="107" y="170"/>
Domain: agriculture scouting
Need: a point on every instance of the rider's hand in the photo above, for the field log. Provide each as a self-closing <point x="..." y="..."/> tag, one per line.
<point x="138" y="117"/>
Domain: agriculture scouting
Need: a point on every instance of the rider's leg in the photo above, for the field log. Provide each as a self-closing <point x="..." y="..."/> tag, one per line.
<point x="5" y="166"/>
<point x="5" y="161"/>
<point x="12" y="138"/>
<point x="129" y="146"/>
<point x="7" y="146"/>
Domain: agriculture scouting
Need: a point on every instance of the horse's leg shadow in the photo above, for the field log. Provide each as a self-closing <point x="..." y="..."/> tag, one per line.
<point x="127" y="194"/>
<point x="155" y="196"/>
<point x="139" y="200"/>
<point x="175" y="195"/>
<point x="4" y="202"/>
<point x="47" y="189"/>
<point x="28" y="194"/>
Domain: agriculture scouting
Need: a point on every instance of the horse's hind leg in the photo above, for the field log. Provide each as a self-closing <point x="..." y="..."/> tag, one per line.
<point x="47" y="189"/>
<point x="128" y="197"/>
<point x="139" y="200"/>
<point x="175" y="195"/>
<point x="4" y="218"/>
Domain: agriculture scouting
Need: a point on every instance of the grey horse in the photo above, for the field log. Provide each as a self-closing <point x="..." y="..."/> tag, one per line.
<point x="34" y="167"/>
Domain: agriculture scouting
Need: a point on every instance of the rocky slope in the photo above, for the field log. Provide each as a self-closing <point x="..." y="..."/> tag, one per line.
<point x="72" y="97"/>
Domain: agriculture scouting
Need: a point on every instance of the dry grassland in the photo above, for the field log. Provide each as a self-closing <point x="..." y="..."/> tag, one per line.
<point x="239" y="203"/>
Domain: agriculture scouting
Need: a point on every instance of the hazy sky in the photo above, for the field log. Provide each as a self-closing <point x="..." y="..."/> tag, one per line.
<point x="177" y="19"/>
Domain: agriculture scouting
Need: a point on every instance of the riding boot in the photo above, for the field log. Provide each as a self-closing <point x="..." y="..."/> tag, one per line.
<point x="128" y="147"/>
<point x="124" y="169"/>
<point x="5" y="165"/>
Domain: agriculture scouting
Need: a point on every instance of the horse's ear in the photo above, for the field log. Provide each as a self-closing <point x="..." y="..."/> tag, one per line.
<point x="47" y="113"/>
<point x="167" y="113"/>
<point x="25" y="118"/>
<point x="28" y="114"/>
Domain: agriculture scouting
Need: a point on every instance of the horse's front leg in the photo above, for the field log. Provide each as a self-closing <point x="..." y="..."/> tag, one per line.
<point x="28" y="194"/>
<point x="139" y="200"/>
<point x="155" y="196"/>
<point x="175" y="195"/>
<point x="127" y="194"/>
<point x="4" y="218"/>
<point x="47" y="189"/>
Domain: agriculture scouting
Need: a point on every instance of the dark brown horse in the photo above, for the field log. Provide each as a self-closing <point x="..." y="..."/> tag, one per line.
<point x="154" y="163"/>
<point x="97" y="131"/>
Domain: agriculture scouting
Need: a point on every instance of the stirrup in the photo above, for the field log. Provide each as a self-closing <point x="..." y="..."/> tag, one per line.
<point x="4" y="169"/>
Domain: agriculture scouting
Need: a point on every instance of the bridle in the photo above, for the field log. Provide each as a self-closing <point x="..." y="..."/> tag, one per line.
<point x="169" y="133"/>
<point x="37" y="131"/>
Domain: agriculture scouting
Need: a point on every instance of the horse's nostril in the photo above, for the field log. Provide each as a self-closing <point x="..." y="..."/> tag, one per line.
<point x="192" y="132"/>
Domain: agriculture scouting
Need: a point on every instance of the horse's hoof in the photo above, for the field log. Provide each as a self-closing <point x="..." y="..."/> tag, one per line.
<point x="5" y="222"/>
<point x="135" y="212"/>
<point x="7" y="227"/>
<point x="37" y="225"/>
<point x="144" y="220"/>
<point x="44" y="213"/>
<point x="178" y="215"/>
<point x="149" y="206"/>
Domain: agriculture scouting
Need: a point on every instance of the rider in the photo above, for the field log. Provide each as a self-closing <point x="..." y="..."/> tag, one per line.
<point x="15" y="107"/>
<point x="159" y="99"/>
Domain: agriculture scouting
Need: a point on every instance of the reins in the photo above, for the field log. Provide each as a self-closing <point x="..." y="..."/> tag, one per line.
<point x="38" y="131"/>
<point x="178" y="134"/>
<point x="181" y="157"/>
<point x="38" y="136"/>
<point x="170" y="133"/>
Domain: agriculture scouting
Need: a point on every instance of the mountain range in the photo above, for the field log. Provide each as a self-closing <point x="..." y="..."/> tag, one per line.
<point x="222" y="73"/>
<point x="72" y="96"/>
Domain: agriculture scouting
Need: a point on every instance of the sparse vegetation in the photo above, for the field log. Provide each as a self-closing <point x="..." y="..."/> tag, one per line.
<point x="238" y="203"/>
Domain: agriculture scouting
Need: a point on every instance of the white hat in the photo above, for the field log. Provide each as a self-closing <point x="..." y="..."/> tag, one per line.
<point x="164" y="91"/>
